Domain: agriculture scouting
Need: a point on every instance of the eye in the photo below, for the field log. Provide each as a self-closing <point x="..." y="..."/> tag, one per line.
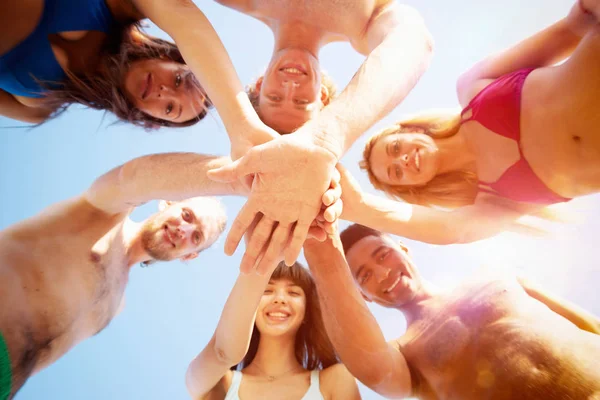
<point x="364" y="279"/>
<point x="301" y="102"/>
<point x="398" y="172"/>
<point x="177" y="80"/>
<point x="383" y="255"/>
<point x="169" y="108"/>
<point x="274" y="98"/>
<point x="186" y="215"/>
<point x="196" y="237"/>
<point x="396" y="147"/>
<point x="268" y="291"/>
<point x="294" y="293"/>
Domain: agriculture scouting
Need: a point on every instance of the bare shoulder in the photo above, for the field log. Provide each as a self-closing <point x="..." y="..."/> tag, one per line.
<point x="336" y="382"/>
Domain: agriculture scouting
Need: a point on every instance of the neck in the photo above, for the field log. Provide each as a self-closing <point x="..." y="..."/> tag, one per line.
<point x="131" y="234"/>
<point x="297" y="35"/>
<point x="455" y="153"/>
<point x="419" y="306"/>
<point x="275" y="356"/>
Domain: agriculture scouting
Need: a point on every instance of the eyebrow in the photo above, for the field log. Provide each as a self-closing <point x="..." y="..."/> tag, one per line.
<point x="180" y="111"/>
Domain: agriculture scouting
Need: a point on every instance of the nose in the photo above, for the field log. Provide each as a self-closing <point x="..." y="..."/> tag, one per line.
<point x="279" y="297"/>
<point x="185" y="230"/>
<point x="384" y="273"/>
<point x="166" y="92"/>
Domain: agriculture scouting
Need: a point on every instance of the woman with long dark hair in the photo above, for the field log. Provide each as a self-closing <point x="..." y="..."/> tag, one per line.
<point x="57" y="52"/>
<point x="271" y="343"/>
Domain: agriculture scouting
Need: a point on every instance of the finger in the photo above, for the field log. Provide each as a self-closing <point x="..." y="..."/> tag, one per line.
<point x="236" y="169"/>
<point x="242" y="223"/>
<point x="317" y="233"/>
<point x="333" y="212"/>
<point x="332" y="194"/>
<point x="258" y="239"/>
<point x="272" y="255"/>
<point x="298" y="237"/>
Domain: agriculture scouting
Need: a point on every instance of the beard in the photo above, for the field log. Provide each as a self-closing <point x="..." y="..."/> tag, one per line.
<point x="153" y="241"/>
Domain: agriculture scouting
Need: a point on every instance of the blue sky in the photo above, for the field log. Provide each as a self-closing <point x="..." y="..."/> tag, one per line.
<point x="172" y="308"/>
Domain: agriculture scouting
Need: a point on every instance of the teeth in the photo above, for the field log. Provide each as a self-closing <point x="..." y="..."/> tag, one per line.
<point x="418" y="161"/>
<point x="393" y="285"/>
<point x="277" y="315"/>
<point x="292" y="70"/>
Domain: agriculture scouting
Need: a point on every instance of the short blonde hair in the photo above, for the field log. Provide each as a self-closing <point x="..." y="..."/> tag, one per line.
<point x="449" y="190"/>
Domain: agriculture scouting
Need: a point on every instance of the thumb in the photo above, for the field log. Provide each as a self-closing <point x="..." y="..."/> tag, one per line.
<point x="233" y="171"/>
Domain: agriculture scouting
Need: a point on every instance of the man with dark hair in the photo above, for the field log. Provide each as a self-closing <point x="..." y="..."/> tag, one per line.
<point x="63" y="272"/>
<point x="493" y="337"/>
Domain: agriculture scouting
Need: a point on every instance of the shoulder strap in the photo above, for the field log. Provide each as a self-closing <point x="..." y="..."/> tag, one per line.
<point x="236" y="380"/>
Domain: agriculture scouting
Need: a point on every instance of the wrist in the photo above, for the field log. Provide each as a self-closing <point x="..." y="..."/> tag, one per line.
<point x="326" y="134"/>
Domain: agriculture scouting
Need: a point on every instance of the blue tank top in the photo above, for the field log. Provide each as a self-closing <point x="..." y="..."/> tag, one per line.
<point x="33" y="58"/>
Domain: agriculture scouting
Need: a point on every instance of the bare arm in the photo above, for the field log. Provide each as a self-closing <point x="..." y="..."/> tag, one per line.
<point x="205" y="54"/>
<point x="172" y="176"/>
<point x="467" y="224"/>
<point x="12" y="108"/>
<point x="578" y="316"/>
<point x="351" y="327"/>
<point x="231" y="339"/>
<point x="399" y="49"/>
<point x="543" y="49"/>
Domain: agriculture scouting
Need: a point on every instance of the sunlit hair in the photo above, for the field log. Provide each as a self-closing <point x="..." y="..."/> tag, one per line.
<point x="104" y="88"/>
<point x="254" y="93"/>
<point x="312" y="346"/>
<point x="449" y="190"/>
<point x="354" y="233"/>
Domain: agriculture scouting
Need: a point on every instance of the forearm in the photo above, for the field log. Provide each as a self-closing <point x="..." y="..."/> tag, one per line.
<point x="204" y="52"/>
<point x="386" y="77"/>
<point x="543" y="49"/>
<point x="350" y="325"/>
<point x="234" y="330"/>
<point x="170" y="176"/>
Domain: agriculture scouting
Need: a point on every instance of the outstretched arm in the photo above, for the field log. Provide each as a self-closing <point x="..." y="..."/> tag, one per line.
<point x="399" y="49"/>
<point x="172" y="176"/>
<point x="205" y="54"/>
<point x="464" y="225"/>
<point x="543" y="49"/>
<point x="578" y="316"/>
<point x="231" y="339"/>
<point x="350" y="325"/>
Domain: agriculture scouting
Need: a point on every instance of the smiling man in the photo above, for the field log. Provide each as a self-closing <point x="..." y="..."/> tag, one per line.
<point x="63" y="272"/>
<point x="493" y="337"/>
<point x="292" y="90"/>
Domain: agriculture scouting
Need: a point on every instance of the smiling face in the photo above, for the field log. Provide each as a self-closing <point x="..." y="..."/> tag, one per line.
<point x="281" y="309"/>
<point x="407" y="159"/>
<point x="290" y="92"/>
<point x="384" y="271"/>
<point x="165" y="90"/>
<point x="183" y="229"/>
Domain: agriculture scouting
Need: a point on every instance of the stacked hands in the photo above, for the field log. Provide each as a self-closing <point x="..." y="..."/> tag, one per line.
<point x="294" y="194"/>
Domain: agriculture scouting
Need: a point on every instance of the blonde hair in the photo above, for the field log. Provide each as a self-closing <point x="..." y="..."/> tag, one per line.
<point x="449" y="190"/>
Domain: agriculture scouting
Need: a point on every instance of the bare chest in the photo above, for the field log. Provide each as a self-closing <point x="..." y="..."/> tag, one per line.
<point x="287" y="388"/>
<point x="348" y="18"/>
<point x="69" y="282"/>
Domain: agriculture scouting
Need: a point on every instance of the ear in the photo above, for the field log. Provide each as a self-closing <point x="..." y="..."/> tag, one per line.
<point x="258" y="84"/>
<point x="325" y="99"/>
<point x="163" y="204"/>
<point x="189" y="257"/>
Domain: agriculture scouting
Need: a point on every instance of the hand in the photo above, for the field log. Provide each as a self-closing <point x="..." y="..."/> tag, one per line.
<point x="352" y="195"/>
<point x="580" y="18"/>
<point x="332" y="206"/>
<point x="291" y="174"/>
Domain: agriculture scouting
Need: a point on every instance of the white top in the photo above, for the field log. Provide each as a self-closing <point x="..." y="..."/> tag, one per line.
<point x="313" y="392"/>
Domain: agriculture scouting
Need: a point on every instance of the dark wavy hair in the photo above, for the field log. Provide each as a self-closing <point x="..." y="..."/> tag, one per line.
<point x="104" y="88"/>
<point x="312" y="347"/>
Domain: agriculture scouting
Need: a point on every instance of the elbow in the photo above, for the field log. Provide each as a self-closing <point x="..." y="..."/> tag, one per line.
<point x="227" y="357"/>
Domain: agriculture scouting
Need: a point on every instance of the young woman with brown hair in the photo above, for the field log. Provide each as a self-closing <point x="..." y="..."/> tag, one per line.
<point x="271" y="343"/>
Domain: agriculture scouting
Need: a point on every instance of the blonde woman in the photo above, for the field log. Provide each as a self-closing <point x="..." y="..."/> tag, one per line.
<point x="271" y="343"/>
<point x="527" y="137"/>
